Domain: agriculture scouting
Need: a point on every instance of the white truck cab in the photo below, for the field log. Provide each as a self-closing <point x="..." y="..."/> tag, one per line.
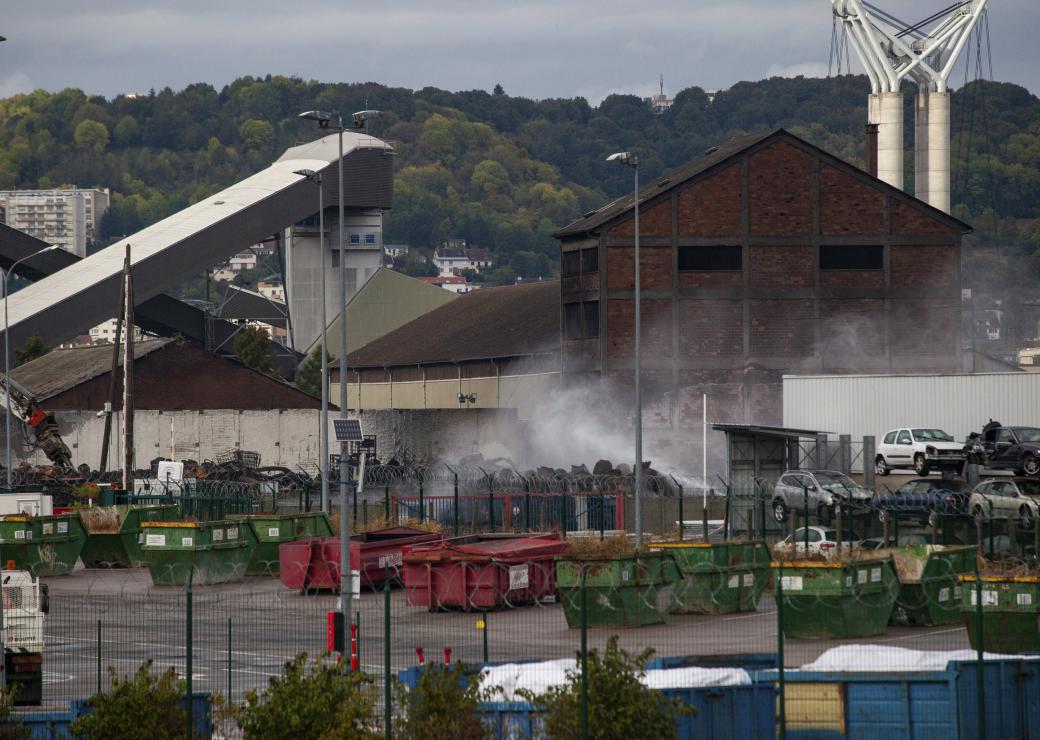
<point x="25" y="602"/>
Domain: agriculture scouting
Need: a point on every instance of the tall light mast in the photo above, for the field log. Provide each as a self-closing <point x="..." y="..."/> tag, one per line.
<point x="891" y="51"/>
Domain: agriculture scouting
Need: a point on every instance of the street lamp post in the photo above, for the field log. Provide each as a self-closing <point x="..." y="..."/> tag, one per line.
<point x="323" y="467"/>
<point x="7" y="358"/>
<point x="345" y="572"/>
<point x="632" y="161"/>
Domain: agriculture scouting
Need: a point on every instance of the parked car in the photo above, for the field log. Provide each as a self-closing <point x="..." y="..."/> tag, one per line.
<point x="1005" y="498"/>
<point x="825" y="489"/>
<point x="822" y="541"/>
<point x="923" y="449"/>
<point x="924" y="499"/>
<point x="1006" y="448"/>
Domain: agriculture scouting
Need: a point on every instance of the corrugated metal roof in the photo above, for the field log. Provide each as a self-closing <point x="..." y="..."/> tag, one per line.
<point x="240" y="303"/>
<point x="62" y="369"/>
<point x="508" y="321"/>
<point x="160" y="243"/>
<point x="387" y="301"/>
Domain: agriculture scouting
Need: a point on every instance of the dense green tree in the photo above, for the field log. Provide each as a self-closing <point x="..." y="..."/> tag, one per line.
<point x="308" y="377"/>
<point x="256" y="135"/>
<point x="499" y="171"/>
<point x="34" y="347"/>
<point x="127" y="131"/>
<point x="253" y="349"/>
<point x="92" y="135"/>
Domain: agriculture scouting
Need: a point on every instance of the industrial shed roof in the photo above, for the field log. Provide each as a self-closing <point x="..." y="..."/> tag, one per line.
<point x="61" y="369"/>
<point x="508" y="321"/>
<point x="712" y="157"/>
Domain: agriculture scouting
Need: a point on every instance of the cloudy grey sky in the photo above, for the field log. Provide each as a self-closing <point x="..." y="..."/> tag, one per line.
<point x="535" y="48"/>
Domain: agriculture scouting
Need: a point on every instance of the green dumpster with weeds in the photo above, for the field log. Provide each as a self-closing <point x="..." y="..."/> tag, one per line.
<point x="836" y="600"/>
<point x="1010" y="612"/>
<point x="929" y="592"/>
<point x="217" y="551"/>
<point x="114" y="534"/>
<point x="43" y="545"/>
<point x="717" y="578"/>
<point x="625" y="588"/>
<point x="272" y="529"/>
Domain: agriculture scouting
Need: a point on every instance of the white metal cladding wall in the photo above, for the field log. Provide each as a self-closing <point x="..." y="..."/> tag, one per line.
<point x="873" y="404"/>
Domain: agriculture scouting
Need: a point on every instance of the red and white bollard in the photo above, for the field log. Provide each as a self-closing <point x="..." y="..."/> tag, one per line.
<point x="353" y="648"/>
<point x="422" y="656"/>
<point x="447" y="656"/>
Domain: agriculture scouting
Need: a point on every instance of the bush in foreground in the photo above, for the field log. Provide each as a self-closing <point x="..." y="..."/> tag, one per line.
<point x="323" y="702"/>
<point x="444" y="705"/>
<point x="621" y="707"/>
<point x="144" y="706"/>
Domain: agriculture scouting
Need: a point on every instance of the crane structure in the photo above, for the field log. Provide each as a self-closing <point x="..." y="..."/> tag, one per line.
<point x="46" y="437"/>
<point x="892" y="50"/>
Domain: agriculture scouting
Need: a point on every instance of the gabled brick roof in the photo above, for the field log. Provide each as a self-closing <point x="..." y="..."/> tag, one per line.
<point x="712" y="157"/>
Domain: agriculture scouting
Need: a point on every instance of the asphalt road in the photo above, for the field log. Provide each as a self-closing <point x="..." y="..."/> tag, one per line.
<point x="269" y="624"/>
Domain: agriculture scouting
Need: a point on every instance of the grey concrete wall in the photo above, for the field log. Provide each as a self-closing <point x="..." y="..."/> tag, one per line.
<point x="282" y="437"/>
<point x="288" y="437"/>
<point x="448" y="433"/>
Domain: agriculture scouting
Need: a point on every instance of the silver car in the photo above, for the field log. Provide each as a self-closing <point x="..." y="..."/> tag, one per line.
<point x="818" y="490"/>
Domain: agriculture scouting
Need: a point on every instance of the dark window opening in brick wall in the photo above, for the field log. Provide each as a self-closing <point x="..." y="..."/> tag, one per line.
<point x="572" y="320"/>
<point x="581" y="320"/>
<point x="851" y="257"/>
<point x="591" y="311"/>
<point x="581" y="262"/>
<point x="570" y="264"/>
<point x="714" y="258"/>
<point x="590" y="260"/>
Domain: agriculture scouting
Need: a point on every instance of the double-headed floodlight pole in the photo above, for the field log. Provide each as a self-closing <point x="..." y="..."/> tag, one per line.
<point x="323" y="466"/>
<point x="7" y="357"/>
<point x="891" y="51"/>
<point x="358" y="120"/>
<point x="627" y="158"/>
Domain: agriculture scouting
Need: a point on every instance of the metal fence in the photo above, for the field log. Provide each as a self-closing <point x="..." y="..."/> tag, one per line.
<point x="755" y="603"/>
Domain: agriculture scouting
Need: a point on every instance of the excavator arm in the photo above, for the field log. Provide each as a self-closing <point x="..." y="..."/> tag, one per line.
<point x="42" y="423"/>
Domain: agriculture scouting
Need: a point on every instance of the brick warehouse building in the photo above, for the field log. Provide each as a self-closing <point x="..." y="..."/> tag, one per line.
<point x="762" y="257"/>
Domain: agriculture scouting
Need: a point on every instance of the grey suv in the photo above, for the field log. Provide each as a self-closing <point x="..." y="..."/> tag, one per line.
<point x="824" y="489"/>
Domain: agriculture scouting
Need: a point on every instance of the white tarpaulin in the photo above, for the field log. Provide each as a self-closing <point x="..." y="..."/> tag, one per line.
<point x="885" y="659"/>
<point x="539" y="677"/>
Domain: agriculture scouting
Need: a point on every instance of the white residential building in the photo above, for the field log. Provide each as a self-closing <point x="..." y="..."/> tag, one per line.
<point x="106" y="332"/>
<point x="452" y="260"/>
<point x="271" y="291"/>
<point x="69" y="218"/>
<point x="242" y="261"/>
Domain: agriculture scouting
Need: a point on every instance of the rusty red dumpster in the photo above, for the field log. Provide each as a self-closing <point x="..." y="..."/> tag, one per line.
<point x="294" y="560"/>
<point x="373" y="553"/>
<point x="484" y="571"/>
<point x="379" y="552"/>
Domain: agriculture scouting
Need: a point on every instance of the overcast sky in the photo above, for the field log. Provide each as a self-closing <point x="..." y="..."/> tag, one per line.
<point x="534" y="48"/>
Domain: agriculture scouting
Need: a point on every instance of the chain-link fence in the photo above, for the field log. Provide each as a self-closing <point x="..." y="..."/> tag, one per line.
<point x="896" y="615"/>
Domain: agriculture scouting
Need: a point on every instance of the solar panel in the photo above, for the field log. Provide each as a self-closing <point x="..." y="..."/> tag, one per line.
<point x="348" y="430"/>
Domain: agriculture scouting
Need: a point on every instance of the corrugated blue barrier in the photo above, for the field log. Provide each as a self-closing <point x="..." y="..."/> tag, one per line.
<point x="54" y="725"/>
<point x="720" y="712"/>
<point x="927" y="704"/>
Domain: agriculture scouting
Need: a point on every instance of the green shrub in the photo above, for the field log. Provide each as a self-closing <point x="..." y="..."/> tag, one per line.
<point x="328" y="701"/>
<point x="143" y="706"/>
<point x="621" y="707"/>
<point x="11" y="727"/>
<point x="443" y="705"/>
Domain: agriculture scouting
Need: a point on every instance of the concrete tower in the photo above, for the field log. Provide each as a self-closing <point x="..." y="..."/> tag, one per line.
<point x="891" y="51"/>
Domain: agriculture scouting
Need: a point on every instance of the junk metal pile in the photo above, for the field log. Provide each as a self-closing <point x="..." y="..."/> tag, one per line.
<point x="237" y="466"/>
<point x="244" y="467"/>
